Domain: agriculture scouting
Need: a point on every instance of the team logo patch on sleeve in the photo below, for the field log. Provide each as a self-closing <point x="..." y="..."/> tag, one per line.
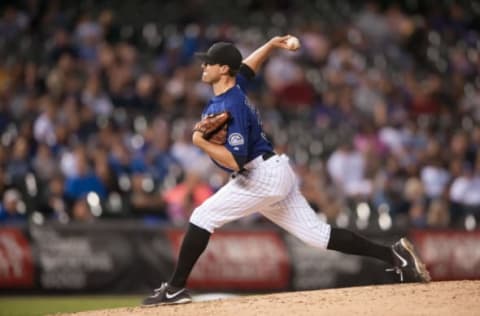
<point x="236" y="139"/>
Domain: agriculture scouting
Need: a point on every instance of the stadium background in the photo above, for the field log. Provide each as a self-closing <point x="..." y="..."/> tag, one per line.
<point x="379" y="112"/>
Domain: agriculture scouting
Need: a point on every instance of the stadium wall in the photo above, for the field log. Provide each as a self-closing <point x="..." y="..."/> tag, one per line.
<point x="131" y="257"/>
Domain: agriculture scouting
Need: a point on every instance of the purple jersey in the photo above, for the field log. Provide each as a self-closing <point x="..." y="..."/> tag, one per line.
<point x="246" y="139"/>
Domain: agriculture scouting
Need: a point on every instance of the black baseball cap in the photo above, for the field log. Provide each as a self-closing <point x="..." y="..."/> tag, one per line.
<point x="222" y="53"/>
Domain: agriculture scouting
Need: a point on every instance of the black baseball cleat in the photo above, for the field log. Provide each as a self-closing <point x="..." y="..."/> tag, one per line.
<point x="407" y="263"/>
<point x="166" y="295"/>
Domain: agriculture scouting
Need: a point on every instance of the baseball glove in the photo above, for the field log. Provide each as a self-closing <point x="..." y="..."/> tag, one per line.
<point x="214" y="127"/>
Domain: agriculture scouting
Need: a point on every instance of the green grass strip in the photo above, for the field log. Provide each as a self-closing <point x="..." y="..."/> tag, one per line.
<point x="44" y="305"/>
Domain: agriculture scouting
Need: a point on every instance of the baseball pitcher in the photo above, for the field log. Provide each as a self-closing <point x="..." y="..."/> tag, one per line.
<point x="230" y="132"/>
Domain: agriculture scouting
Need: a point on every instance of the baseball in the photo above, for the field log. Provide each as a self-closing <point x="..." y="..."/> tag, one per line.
<point x="293" y="43"/>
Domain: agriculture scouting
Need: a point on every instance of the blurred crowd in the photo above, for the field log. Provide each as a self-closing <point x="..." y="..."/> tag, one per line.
<point x="379" y="111"/>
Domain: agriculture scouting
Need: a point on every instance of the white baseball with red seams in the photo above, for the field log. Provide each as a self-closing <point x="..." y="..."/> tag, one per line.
<point x="269" y="187"/>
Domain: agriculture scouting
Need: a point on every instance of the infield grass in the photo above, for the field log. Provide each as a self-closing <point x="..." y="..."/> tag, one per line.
<point x="45" y="305"/>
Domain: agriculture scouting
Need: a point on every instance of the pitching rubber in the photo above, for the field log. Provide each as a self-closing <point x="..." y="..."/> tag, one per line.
<point x="182" y="301"/>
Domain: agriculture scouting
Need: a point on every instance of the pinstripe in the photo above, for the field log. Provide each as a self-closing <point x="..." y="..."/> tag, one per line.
<point x="271" y="188"/>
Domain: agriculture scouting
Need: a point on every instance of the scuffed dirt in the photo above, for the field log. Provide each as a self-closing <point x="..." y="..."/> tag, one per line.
<point x="436" y="298"/>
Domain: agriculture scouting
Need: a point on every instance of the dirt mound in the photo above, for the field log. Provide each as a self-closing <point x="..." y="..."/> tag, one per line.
<point x="436" y="298"/>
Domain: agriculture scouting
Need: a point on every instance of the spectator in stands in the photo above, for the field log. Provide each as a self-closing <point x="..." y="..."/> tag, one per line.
<point x="85" y="181"/>
<point x="3" y="177"/>
<point x="19" y="163"/>
<point x="185" y="152"/>
<point x="95" y="97"/>
<point x="438" y="215"/>
<point x="12" y="209"/>
<point x="144" y="199"/>
<point x="12" y="22"/>
<point x="346" y="167"/>
<point x="145" y="100"/>
<point x="465" y="192"/>
<point x="459" y="143"/>
<point x="5" y="117"/>
<point x="44" y="164"/>
<point x="416" y="205"/>
<point x="367" y="141"/>
<point x="110" y="29"/>
<point x="104" y="171"/>
<point x="54" y="203"/>
<point x="76" y="81"/>
<point x="87" y="35"/>
<point x="62" y="44"/>
<point x="317" y="192"/>
<point x="395" y="188"/>
<point x="161" y="161"/>
<point x="44" y="126"/>
<point x="435" y="177"/>
<point x="184" y="197"/>
<point x="122" y="161"/>
<point x="417" y="214"/>
<point x="81" y="211"/>
<point x="62" y="139"/>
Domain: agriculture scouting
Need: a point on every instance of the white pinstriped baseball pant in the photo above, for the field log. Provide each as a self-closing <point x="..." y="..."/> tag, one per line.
<point x="271" y="188"/>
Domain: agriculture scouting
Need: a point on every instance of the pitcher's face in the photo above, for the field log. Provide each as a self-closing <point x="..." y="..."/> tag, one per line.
<point x="212" y="72"/>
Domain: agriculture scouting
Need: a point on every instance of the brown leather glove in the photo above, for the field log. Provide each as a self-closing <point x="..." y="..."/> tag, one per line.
<point x="214" y="127"/>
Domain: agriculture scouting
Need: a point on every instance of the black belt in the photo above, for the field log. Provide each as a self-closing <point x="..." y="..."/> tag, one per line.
<point x="268" y="155"/>
<point x="265" y="156"/>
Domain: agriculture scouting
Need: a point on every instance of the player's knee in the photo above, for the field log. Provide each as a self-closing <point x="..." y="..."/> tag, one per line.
<point x="318" y="237"/>
<point x="202" y="224"/>
<point x="205" y="222"/>
<point x="316" y="243"/>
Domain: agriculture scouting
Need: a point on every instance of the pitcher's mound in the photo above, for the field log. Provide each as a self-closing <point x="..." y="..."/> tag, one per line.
<point x="436" y="298"/>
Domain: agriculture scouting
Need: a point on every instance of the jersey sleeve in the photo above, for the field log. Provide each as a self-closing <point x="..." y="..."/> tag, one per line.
<point x="244" y="76"/>
<point x="238" y="128"/>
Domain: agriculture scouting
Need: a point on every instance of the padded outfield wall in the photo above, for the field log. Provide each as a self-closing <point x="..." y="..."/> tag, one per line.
<point x="130" y="257"/>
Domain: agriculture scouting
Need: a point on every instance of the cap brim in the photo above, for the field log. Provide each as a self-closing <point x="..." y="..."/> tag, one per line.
<point x="202" y="56"/>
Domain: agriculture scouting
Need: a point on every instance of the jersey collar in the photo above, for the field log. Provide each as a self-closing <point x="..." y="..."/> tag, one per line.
<point x="223" y="95"/>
